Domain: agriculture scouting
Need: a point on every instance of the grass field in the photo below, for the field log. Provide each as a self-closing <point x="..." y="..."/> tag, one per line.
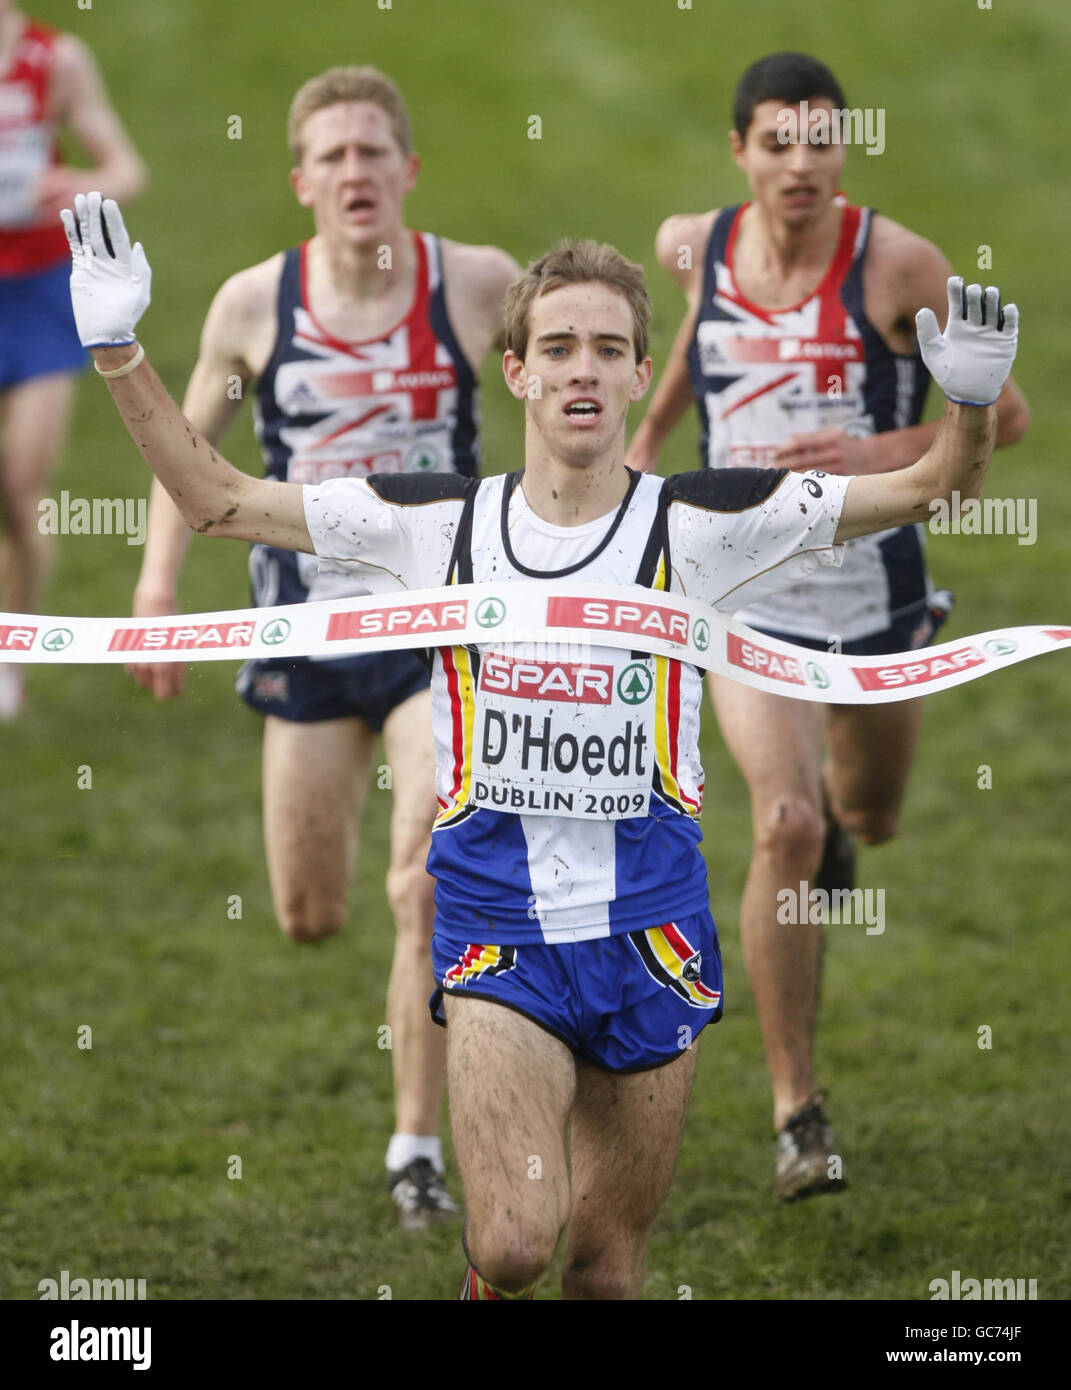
<point x="214" y="1037"/>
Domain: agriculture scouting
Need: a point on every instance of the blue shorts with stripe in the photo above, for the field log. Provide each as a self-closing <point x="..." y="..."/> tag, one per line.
<point x="367" y="687"/>
<point x="37" y="332"/>
<point x="624" y="1003"/>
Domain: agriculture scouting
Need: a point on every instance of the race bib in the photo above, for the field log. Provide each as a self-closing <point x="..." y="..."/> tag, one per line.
<point x="25" y="154"/>
<point x="564" y="731"/>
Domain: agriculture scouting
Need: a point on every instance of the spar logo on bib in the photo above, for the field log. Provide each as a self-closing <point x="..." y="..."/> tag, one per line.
<point x="179" y="637"/>
<point x="749" y="656"/>
<point x="634" y="684"/>
<point x="448" y="615"/>
<point x="577" y="682"/>
<point x="644" y="619"/>
<point x="57" y="639"/>
<point x="920" y="671"/>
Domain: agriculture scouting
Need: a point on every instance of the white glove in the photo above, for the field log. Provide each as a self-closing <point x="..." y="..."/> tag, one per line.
<point x="972" y="358"/>
<point x="109" y="280"/>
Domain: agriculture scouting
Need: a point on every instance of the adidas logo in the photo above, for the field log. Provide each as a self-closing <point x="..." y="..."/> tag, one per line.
<point x="301" y="395"/>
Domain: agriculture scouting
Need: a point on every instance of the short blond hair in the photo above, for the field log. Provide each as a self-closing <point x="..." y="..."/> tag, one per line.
<point x="348" y="84"/>
<point x="578" y="263"/>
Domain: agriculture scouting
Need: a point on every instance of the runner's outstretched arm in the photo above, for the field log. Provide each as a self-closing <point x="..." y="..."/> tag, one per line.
<point x="970" y="361"/>
<point x="110" y="283"/>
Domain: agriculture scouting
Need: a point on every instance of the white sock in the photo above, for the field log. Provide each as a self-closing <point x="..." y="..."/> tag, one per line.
<point x="404" y="1148"/>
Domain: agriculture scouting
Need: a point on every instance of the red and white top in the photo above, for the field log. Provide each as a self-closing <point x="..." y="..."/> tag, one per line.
<point x="27" y="149"/>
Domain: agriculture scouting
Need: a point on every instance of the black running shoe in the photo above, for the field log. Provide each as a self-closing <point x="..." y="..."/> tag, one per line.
<point x="421" y="1196"/>
<point x="807" y="1162"/>
<point x="837" y="869"/>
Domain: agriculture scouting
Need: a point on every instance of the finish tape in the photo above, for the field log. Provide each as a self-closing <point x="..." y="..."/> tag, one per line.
<point x="539" y="618"/>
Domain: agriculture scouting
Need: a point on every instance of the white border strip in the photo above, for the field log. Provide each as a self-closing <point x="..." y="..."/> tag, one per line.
<point x="582" y="615"/>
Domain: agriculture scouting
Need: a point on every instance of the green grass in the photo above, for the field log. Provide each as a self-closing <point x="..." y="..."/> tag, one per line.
<point x="214" y="1037"/>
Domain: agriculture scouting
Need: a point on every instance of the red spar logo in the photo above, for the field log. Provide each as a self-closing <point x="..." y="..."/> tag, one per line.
<point x="918" y="672"/>
<point x="17" y="638"/>
<point x="184" y="637"/>
<point x="644" y="618"/>
<point x="448" y="616"/>
<point x="764" y="661"/>
<point x="548" y="680"/>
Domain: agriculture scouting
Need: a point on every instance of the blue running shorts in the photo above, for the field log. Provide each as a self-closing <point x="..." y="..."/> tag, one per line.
<point x="624" y="1003"/>
<point x="37" y="332"/>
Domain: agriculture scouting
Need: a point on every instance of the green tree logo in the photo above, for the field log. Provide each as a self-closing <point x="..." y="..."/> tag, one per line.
<point x="490" y="612"/>
<point x="57" y="638"/>
<point x="634" y="684"/>
<point x="816" y="675"/>
<point x="701" y="634"/>
<point x="275" y="631"/>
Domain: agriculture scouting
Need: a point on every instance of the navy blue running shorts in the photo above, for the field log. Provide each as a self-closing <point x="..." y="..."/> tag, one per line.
<point x="367" y="687"/>
<point x="907" y="632"/>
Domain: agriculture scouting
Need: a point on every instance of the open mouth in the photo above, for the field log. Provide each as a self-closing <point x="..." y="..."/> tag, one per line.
<point x="583" y="411"/>
<point x="360" y="203"/>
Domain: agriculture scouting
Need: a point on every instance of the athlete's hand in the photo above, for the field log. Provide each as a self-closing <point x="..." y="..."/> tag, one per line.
<point x="164" y="679"/>
<point x="110" y="279"/>
<point x="832" y="450"/>
<point x="972" y="359"/>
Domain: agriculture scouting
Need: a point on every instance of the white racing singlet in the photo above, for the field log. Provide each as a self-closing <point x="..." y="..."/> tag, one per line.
<point x="564" y="731"/>
<point x="569" y="780"/>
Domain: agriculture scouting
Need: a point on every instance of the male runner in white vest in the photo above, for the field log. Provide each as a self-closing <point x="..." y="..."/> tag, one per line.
<point x="363" y="343"/>
<point x="799" y="349"/>
<point x="576" y="955"/>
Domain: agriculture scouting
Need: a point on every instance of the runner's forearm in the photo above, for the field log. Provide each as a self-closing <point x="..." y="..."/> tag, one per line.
<point x="202" y="484"/>
<point x="955" y="462"/>
<point x="959" y="456"/>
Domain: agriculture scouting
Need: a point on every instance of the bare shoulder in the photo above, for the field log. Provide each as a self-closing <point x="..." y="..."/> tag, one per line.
<point x="475" y="279"/>
<point x="242" y="314"/>
<point x="902" y="258"/>
<point x="251" y="293"/>
<point x="480" y="271"/>
<point x="75" y="75"/>
<point x="71" y="57"/>
<point x="684" y="232"/>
